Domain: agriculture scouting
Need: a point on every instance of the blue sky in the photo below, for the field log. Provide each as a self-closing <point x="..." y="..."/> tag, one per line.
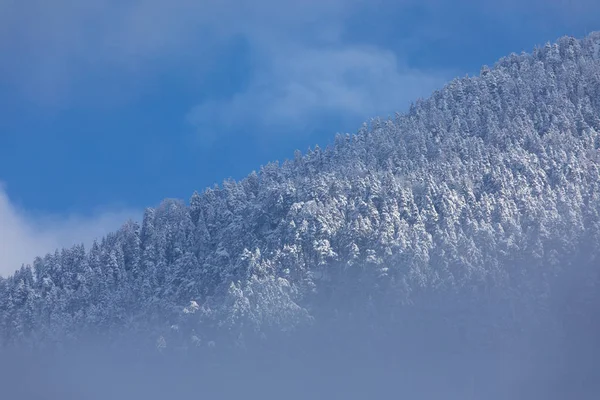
<point x="111" y="106"/>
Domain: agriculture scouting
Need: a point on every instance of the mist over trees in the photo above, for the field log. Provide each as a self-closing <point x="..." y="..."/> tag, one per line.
<point x="467" y="227"/>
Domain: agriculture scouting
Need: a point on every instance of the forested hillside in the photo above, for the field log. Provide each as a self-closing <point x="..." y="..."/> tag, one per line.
<point x="481" y="205"/>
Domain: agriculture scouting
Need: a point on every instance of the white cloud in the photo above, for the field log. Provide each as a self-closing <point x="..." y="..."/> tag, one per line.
<point x="300" y="83"/>
<point x="24" y="237"/>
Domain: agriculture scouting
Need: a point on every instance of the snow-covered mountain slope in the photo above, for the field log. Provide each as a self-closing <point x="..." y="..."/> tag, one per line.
<point x="490" y="187"/>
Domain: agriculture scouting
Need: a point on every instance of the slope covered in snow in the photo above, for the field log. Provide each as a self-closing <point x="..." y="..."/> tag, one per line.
<point x="482" y="203"/>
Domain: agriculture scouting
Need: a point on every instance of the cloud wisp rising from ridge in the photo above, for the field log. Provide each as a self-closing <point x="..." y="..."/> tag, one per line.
<point x="355" y="82"/>
<point x="24" y="237"/>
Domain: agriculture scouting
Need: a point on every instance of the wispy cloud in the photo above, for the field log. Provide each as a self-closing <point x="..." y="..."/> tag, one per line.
<point x="48" y="48"/>
<point x="24" y="236"/>
<point x="53" y="47"/>
<point x="303" y="83"/>
<point x="54" y="43"/>
<point x="302" y="62"/>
